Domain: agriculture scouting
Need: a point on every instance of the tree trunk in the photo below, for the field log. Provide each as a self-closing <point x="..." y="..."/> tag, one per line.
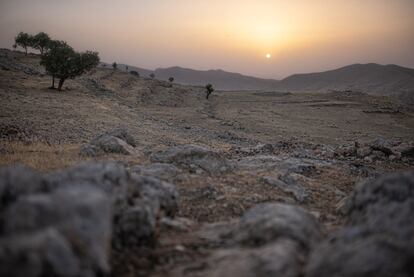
<point x="61" y="81"/>
<point x="41" y="51"/>
<point x="53" y="82"/>
<point x="25" y="50"/>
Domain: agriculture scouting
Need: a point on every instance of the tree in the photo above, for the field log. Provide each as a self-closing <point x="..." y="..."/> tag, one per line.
<point x="126" y="68"/>
<point x="24" y="40"/>
<point x="62" y="62"/>
<point x="52" y="62"/>
<point x="152" y="75"/>
<point x="114" y="65"/>
<point x="41" y="42"/>
<point x="209" y="90"/>
<point x="135" y="73"/>
<point x="171" y="79"/>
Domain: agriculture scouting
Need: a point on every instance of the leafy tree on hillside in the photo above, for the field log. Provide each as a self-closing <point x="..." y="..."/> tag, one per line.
<point x="41" y="42"/>
<point x="209" y="90"/>
<point x="152" y="75"/>
<point x="24" y="40"/>
<point x="171" y="79"/>
<point x="114" y="65"/>
<point x="62" y="62"/>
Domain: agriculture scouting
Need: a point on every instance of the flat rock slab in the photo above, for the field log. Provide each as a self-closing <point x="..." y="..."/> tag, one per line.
<point x="162" y="171"/>
<point x="288" y="183"/>
<point x="193" y="157"/>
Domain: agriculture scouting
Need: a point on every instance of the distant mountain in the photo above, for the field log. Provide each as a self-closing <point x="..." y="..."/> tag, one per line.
<point x="369" y="78"/>
<point x="218" y="78"/>
<point x="142" y="71"/>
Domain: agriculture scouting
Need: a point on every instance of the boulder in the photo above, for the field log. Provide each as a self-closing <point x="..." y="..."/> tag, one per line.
<point x="372" y="200"/>
<point x="81" y="214"/>
<point x="383" y="146"/>
<point x="111" y="144"/>
<point x="378" y="239"/>
<point x="267" y="223"/>
<point x="117" y="141"/>
<point x="137" y="200"/>
<point x="192" y="157"/>
<point x="120" y="133"/>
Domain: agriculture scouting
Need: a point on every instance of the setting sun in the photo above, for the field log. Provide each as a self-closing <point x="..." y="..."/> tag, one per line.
<point x="268" y="56"/>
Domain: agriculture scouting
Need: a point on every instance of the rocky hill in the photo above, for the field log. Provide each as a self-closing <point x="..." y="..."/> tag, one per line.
<point x="220" y="79"/>
<point x="369" y="78"/>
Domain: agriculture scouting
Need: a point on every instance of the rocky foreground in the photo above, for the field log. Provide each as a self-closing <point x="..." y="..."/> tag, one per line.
<point x="85" y="220"/>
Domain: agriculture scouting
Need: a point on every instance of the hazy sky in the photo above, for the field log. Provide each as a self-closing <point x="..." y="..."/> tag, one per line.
<point x="234" y="35"/>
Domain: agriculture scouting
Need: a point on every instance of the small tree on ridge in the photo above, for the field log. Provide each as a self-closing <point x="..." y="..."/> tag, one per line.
<point x="24" y="40"/>
<point x="41" y="42"/>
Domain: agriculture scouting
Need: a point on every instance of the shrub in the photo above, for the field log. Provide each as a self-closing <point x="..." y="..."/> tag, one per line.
<point x="171" y="79"/>
<point x="209" y="90"/>
<point x="152" y="75"/>
<point x="134" y="73"/>
<point x="114" y="65"/>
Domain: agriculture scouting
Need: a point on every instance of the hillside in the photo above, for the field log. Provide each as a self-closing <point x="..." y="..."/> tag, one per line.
<point x="369" y="78"/>
<point x="220" y="79"/>
<point x="128" y="176"/>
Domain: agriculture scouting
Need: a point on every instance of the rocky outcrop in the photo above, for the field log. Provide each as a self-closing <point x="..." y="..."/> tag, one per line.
<point x="192" y="157"/>
<point x="71" y="218"/>
<point x="117" y="141"/>
<point x="82" y="215"/>
<point x="377" y="150"/>
<point x="377" y="240"/>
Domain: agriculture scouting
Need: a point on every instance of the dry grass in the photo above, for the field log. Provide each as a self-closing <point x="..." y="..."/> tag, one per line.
<point x="39" y="155"/>
<point x="46" y="157"/>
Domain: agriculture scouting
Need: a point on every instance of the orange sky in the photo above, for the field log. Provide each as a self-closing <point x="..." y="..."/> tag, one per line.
<point x="234" y="35"/>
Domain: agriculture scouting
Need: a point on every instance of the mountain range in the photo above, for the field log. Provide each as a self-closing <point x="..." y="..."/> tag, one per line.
<point x="369" y="78"/>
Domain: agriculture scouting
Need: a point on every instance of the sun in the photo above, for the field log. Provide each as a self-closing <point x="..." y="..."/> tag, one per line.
<point x="268" y="56"/>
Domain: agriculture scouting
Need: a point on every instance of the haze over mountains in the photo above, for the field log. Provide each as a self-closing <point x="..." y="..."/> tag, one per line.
<point x="369" y="78"/>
